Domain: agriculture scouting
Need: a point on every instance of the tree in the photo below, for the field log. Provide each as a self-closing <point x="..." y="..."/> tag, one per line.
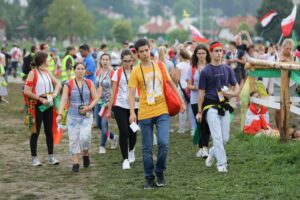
<point x="273" y="31"/>
<point x="180" y="34"/>
<point x="36" y="12"/>
<point x="12" y="20"/>
<point x="68" y="18"/>
<point x="122" y="31"/>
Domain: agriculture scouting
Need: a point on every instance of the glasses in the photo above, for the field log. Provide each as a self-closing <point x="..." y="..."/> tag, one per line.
<point x="127" y="61"/>
<point x="218" y="50"/>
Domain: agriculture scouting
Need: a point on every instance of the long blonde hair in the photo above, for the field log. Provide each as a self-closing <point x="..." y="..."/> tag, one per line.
<point x="162" y="51"/>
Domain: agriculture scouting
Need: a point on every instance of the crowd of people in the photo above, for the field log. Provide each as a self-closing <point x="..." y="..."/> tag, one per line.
<point x="128" y="86"/>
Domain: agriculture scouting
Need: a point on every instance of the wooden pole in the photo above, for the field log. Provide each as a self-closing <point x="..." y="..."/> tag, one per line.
<point x="284" y="105"/>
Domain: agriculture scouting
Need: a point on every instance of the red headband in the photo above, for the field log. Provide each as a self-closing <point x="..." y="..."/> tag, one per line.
<point x="218" y="44"/>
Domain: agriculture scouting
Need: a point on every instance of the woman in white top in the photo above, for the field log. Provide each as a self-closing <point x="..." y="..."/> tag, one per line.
<point x="120" y="106"/>
<point x="40" y="91"/>
<point x="200" y="59"/>
<point x="183" y="66"/>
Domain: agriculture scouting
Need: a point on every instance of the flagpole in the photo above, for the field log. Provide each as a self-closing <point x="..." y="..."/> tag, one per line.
<point x="280" y="39"/>
<point x="263" y="31"/>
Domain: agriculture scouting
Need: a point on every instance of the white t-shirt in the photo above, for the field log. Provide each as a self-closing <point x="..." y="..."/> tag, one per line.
<point x="183" y="67"/>
<point x="16" y="54"/>
<point x="123" y="91"/>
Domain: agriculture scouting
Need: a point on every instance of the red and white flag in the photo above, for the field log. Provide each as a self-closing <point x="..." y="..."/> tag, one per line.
<point x="267" y="18"/>
<point x="197" y="36"/>
<point x="287" y="23"/>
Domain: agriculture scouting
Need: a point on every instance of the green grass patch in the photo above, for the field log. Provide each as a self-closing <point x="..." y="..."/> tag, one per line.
<point x="259" y="168"/>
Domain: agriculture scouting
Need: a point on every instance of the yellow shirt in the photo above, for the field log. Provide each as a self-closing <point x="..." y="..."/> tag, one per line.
<point x="136" y="80"/>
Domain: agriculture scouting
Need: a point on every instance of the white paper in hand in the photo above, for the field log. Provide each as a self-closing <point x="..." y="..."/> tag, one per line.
<point x="134" y="127"/>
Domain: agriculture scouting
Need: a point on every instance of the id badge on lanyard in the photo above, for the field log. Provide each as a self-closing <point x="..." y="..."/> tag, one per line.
<point x="150" y="95"/>
<point x="50" y="99"/>
<point x="151" y="98"/>
<point x="220" y="96"/>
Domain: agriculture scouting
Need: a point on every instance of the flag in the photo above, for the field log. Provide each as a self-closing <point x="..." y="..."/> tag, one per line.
<point x="267" y="18"/>
<point x="287" y="23"/>
<point x="197" y="36"/>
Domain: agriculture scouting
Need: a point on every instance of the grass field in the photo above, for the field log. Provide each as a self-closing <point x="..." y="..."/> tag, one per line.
<point x="259" y="168"/>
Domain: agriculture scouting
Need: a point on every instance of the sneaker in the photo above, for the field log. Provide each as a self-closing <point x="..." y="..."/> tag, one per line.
<point x="209" y="161"/>
<point x="52" y="160"/>
<point x="86" y="161"/>
<point x="222" y="168"/>
<point x="204" y="152"/>
<point x="114" y="142"/>
<point x="131" y="156"/>
<point x="75" y="168"/>
<point x="199" y="153"/>
<point x="149" y="183"/>
<point x="126" y="164"/>
<point x="161" y="182"/>
<point x="102" y="150"/>
<point x="35" y="162"/>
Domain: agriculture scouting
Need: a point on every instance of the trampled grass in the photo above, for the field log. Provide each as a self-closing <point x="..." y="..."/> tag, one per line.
<point x="259" y="168"/>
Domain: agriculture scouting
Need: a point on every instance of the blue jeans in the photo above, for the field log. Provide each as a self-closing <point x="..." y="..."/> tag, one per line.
<point x="162" y="124"/>
<point x="102" y="124"/>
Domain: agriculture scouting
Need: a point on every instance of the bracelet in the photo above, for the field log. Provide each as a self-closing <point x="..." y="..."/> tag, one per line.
<point x="200" y="112"/>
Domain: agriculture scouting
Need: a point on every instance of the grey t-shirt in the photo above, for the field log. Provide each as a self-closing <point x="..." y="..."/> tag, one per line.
<point x="194" y="93"/>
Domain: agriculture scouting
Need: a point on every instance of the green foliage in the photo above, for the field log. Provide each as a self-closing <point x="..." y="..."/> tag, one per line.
<point x="273" y="31"/>
<point x="69" y="18"/>
<point x="103" y="28"/>
<point x="13" y="16"/>
<point x="180" y="34"/>
<point x="244" y="27"/>
<point x="36" y="12"/>
<point x="122" y="30"/>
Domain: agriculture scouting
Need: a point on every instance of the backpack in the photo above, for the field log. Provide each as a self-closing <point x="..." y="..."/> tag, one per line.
<point x="26" y="67"/>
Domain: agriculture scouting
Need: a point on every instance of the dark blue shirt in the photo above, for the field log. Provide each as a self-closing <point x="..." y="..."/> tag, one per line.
<point x="213" y="78"/>
<point x="91" y="67"/>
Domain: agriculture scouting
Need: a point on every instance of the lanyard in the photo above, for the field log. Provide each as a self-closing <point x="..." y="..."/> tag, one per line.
<point x="144" y="76"/>
<point x="80" y="92"/>
<point x="100" y="80"/>
<point x="49" y="81"/>
<point x="125" y="75"/>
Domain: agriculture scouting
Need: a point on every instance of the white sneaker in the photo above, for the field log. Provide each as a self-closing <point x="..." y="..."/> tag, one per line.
<point x="204" y="152"/>
<point x="222" y="168"/>
<point x="209" y="161"/>
<point x="199" y="153"/>
<point x="126" y="164"/>
<point x="102" y="150"/>
<point x="114" y="142"/>
<point x="52" y="160"/>
<point x="131" y="156"/>
<point x="35" y="162"/>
